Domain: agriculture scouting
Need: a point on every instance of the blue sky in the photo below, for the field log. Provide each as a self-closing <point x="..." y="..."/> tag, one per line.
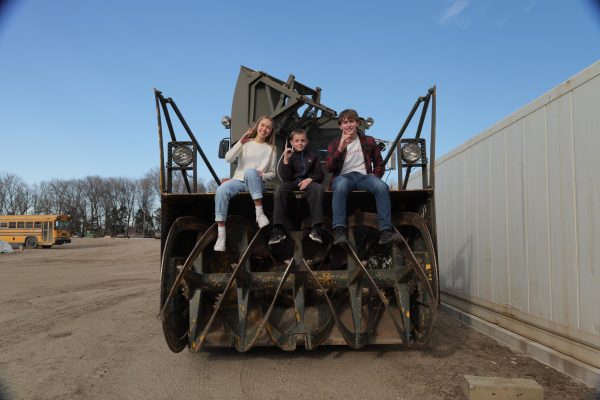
<point x="77" y="77"/>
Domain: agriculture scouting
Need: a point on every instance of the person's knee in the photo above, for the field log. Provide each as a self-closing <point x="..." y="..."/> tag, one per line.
<point x="225" y="192"/>
<point x="380" y="186"/>
<point x="341" y="185"/>
<point x="314" y="187"/>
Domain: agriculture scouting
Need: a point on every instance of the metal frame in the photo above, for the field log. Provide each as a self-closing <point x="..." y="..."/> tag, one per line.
<point x="216" y="292"/>
<point x="160" y="100"/>
<point x="430" y="96"/>
<point x="389" y="288"/>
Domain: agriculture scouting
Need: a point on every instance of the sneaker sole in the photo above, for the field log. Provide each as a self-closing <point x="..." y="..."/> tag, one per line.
<point x="277" y="241"/>
<point x="390" y="240"/>
<point x="318" y="240"/>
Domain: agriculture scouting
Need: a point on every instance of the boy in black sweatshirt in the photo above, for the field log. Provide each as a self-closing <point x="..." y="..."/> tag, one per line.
<point x="300" y="169"/>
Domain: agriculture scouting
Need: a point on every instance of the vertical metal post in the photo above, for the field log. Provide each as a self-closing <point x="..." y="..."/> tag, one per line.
<point x="432" y="169"/>
<point x="161" y="175"/>
<point x="432" y="151"/>
<point x="195" y="170"/>
<point x="399" y="165"/>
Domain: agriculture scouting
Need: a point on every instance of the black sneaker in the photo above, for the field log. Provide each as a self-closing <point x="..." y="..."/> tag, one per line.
<point x="339" y="235"/>
<point x="388" y="235"/>
<point x="315" y="234"/>
<point x="277" y="236"/>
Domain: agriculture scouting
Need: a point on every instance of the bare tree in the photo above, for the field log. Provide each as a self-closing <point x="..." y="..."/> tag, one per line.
<point x="125" y="192"/>
<point x="59" y="190"/>
<point x="3" y="192"/>
<point x="96" y="205"/>
<point x="92" y="189"/>
<point x="41" y="199"/>
<point x="211" y="186"/>
<point x="147" y="197"/>
<point x="76" y="205"/>
<point x="16" y="195"/>
<point x="154" y="176"/>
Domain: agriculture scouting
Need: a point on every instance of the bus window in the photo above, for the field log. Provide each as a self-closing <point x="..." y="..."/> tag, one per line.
<point x="38" y="225"/>
<point x="12" y="225"/>
<point x="63" y="225"/>
<point x="3" y="225"/>
<point x="29" y="224"/>
<point x="20" y="224"/>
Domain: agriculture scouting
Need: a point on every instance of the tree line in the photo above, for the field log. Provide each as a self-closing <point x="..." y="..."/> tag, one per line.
<point x="97" y="205"/>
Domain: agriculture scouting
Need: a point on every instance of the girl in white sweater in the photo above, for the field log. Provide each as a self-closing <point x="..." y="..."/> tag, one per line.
<point x="256" y="155"/>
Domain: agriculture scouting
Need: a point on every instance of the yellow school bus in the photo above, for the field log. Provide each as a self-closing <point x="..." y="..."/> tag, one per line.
<point x="32" y="231"/>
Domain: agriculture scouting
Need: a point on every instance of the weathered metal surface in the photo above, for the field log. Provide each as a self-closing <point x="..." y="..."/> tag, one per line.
<point x="234" y="304"/>
<point x="297" y="292"/>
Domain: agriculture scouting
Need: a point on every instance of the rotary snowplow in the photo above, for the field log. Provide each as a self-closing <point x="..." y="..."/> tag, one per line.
<point x="297" y="292"/>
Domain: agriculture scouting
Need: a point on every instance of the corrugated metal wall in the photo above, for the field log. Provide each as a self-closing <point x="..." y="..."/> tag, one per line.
<point x="518" y="214"/>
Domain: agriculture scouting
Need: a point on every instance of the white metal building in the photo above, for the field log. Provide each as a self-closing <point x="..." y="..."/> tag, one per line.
<point x="518" y="218"/>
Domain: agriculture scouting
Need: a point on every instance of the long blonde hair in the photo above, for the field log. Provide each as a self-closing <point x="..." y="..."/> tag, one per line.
<point x="271" y="139"/>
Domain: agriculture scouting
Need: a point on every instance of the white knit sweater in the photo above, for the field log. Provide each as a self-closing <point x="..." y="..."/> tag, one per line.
<point x="260" y="156"/>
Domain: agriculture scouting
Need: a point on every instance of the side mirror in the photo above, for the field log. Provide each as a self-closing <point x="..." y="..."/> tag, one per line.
<point x="223" y="147"/>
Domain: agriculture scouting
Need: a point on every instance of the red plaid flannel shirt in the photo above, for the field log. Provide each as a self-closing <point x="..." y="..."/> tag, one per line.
<point x="373" y="160"/>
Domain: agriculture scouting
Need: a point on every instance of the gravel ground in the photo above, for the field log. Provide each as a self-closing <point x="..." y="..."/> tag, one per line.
<point x="79" y="322"/>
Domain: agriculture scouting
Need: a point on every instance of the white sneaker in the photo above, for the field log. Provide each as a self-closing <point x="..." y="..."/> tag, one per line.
<point x="220" y="244"/>
<point x="262" y="220"/>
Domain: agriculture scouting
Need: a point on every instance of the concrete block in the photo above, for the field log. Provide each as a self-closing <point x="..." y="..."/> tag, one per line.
<point x="495" y="388"/>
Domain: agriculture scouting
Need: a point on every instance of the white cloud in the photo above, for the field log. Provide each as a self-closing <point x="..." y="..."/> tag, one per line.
<point x="454" y="10"/>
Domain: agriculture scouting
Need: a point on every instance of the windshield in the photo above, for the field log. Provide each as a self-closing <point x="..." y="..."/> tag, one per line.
<point x="63" y="225"/>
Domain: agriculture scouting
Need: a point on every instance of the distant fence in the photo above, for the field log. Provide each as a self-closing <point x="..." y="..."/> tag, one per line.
<point x="518" y="218"/>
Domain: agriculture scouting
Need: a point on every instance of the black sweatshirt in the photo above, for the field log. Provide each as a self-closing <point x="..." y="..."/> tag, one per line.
<point x="302" y="165"/>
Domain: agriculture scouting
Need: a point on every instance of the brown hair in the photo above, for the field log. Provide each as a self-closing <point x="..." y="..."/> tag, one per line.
<point x="348" y="114"/>
<point x="271" y="139"/>
<point x="298" y="131"/>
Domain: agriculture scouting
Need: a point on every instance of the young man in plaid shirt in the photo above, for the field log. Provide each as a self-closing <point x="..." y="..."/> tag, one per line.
<point x="300" y="170"/>
<point x="356" y="164"/>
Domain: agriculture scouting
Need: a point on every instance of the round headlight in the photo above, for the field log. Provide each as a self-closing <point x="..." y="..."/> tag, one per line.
<point x="183" y="156"/>
<point x="226" y="121"/>
<point x="411" y="152"/>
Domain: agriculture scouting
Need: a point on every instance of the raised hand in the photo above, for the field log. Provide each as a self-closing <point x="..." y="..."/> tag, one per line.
<point x="247" y="133"/>
<point x="345" y="140"/>
<point x="286" y="154"/>
<point x="246" y="136"/>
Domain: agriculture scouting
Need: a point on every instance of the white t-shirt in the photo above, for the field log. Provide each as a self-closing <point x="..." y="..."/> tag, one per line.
<point x="355" y="159"/>
<point x="259" y="156"/>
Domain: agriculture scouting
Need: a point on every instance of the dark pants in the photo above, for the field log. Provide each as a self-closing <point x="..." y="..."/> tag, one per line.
<point x="313" y="194"/>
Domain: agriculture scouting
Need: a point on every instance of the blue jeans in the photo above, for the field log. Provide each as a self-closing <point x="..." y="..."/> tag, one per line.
<point x="252" y="183"/>
<point x="344" y="184"/>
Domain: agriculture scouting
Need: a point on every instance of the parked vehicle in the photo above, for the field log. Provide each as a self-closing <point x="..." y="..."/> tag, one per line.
<point x="298" y="292"/>
<point x="32" y="231"/>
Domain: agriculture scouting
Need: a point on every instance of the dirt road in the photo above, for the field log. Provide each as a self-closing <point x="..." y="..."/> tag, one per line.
<point x="79" y="322"/>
